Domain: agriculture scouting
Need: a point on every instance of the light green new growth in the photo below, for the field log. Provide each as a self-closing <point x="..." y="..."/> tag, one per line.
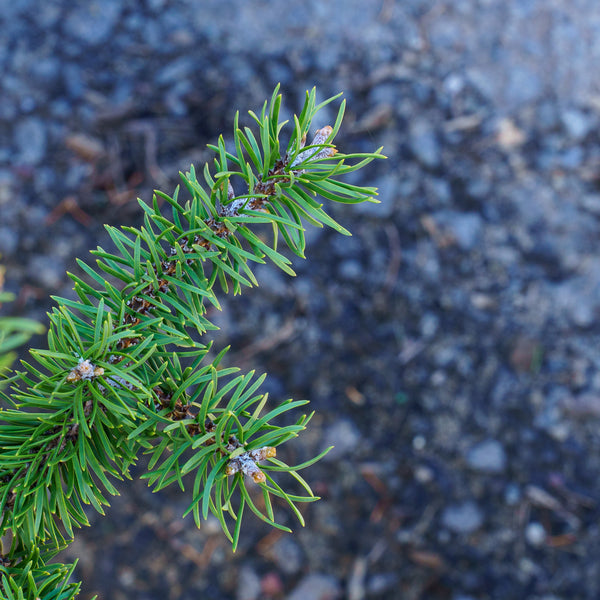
<point x="127" y="370"/>
<point x="14" y="331"/>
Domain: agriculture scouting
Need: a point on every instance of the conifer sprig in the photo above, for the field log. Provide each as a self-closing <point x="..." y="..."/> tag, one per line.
<point x="127" y="369"/>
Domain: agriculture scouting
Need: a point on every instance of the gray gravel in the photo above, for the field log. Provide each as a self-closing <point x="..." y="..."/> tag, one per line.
<point x="450" y="347"/>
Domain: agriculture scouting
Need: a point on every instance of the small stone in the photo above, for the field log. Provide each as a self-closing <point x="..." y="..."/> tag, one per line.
<point x="467" y="230"/>
<point x="524" y="85"/>
<point x="380" y="583"/>
<point x="30" y="140"/>
<point x="424" y="144"/>
<point x="583" y="406"/>
<point x="156" y="5"/>
<point x="463" y="518"/>
<point x="487" y="457"/>
<point x="344" y="436"/>
<point x="73" y="80"/>
<point x="577" y="123"/>
<point x="7" y="185"/>
<point x="46" y="14"/>
<point x="175" y="71"/>
<point x="572" y="158"/>
<point x="317" y="586"/>
<point x="287" y="555"/>
<point x="272" y="281"/>
<point x="351" y="270"/>
<point x="419" y="443"/>
<point x="9" y="240"/>
<point x="508" y="135"/>
<point x="454" y="83"/>
<point x="47" y="70"/>
<point x="27" y="104"/>
<point x="8" y="112"/>
<point x="429" y="324"/>
<point x="271" y="585"/>
<point x="388" y="198"/>
<point x="10" y="10"/>
<point x="46" y="271"/>
<point x="464" y="228"/>
<point x="248" y="586"/>
<point x="93" y="22"/>
<point x="591" y="203"/>
<point x="512" y="494"/>
<point x="438" y="189"/>
<point x="424" y="474"/>
<point x="483" y="301"/>
<point x="577" y="298"/>
<point x="487" y="80"/>
<point x="535" y="534"/>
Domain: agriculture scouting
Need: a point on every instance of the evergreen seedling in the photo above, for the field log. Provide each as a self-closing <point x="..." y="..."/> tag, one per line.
<point x="127" y="369"/>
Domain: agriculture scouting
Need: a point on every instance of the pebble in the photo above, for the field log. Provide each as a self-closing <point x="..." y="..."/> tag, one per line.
<point x="47" y="271"/>
<point x="46" y="14"/>
<point x="274" y="282"/>
<point x="524" y="85"/>
<point x="419" y="442"/>
<point x="591" y="203"/>
<point x="571" y="158"/>
<point x="248" y="586"/>
<point x="351" y="270"/>
<point x="439" y="190"/>
<point x="388" y="197"/>
<point x="10" y="10"/>
<point x="429" y="324"/>
<point x="535" y="534"/>
<point x="512" y="494"/>
<point x="317" y="586"/>
<point x="73" y="80"/>
<point x="424" y="144"/>
<point x="7" y="185"/>
<point x="47" y="71"/>
<point x="175" y="71"/>
<point x="465" y="228"/>
<point x="30" y="140"/>
<point x="487" y="457"/>
<point x="157" y="5"/>
<point x="487" y="80"/>
<point x="344" y="436"/>
<point x="577" y="123"/>
<point x="381" y="583"/>
<point x="424" y="474"/>
<point x="576" y="301"/>
<point x="464" y="518"/>
<point x="92" y="23"/>
<point x="287" y="555"/>
<point x="8" y="112"/>
<point x="9" y="240"/>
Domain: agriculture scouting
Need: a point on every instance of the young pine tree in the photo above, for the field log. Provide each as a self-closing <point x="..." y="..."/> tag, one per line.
<point x="127" y="368"/>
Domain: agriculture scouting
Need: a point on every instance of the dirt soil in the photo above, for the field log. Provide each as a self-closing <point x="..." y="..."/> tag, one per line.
<point x="450" y="347"/>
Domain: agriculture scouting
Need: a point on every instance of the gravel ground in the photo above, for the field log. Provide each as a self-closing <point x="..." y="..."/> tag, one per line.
<point x="450" y="347"/>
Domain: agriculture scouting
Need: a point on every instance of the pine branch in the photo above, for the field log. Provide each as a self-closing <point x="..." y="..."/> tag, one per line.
<point x="127" y="371"/>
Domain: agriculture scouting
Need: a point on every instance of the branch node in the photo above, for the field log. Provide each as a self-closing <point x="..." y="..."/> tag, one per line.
<point x="85" y="370"/>
<point x="247" y="463"/>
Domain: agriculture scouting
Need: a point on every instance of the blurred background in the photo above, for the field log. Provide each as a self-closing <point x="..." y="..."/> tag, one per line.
<point x="450" y="347"/>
